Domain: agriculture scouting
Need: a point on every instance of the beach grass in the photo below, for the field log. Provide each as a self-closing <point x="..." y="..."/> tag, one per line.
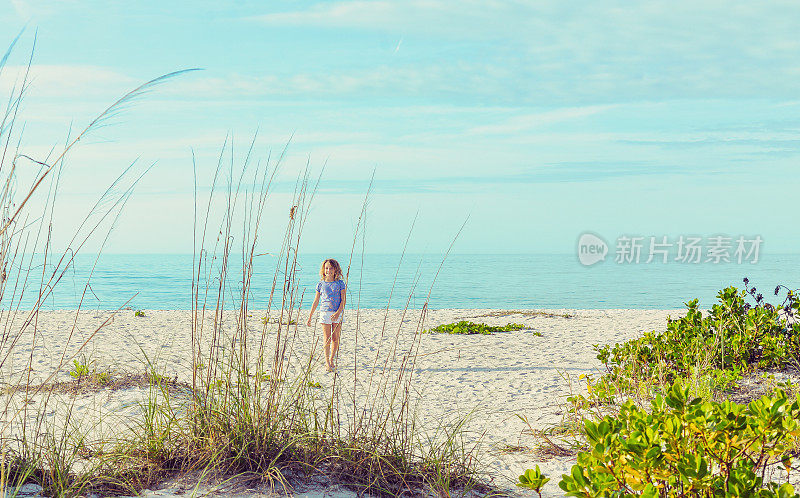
<point x="240" y="424"/>
<point x="251" y="408"/>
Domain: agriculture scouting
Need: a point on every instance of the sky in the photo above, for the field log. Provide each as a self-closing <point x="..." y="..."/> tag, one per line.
<point x="533" y="122"/>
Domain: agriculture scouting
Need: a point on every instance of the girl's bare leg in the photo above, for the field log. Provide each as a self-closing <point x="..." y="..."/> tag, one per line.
<point x="335" y="334"/>
<point x="326" y="330"/>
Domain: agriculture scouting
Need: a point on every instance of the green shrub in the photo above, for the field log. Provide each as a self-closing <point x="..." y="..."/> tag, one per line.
<point x="139" y="313"/>
<point x="688" y="447"/>
<point x="465" y="327"/>
<point x="714" y="350"/>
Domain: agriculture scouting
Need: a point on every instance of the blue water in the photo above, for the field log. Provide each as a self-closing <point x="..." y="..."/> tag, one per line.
<point x="465" y="281"/>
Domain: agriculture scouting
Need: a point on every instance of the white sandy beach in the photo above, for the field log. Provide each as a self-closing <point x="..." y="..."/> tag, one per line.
<point x="491" y="379"/>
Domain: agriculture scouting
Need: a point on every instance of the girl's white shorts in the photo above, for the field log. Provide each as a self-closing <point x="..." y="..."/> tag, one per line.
<point x="326" y="317"/>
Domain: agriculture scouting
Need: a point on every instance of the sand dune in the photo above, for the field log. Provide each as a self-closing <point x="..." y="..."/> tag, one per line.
<point x="489" y="379"/>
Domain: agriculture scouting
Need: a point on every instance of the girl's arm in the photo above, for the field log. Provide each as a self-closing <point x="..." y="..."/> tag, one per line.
<point x="313" y="307"/>
<point x="341" y="305"/>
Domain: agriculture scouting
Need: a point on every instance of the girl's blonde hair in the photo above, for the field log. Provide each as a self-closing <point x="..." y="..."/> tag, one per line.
<point x="337" y="269"/>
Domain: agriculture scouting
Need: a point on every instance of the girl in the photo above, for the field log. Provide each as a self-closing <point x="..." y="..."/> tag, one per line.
<point x="331" y="289"/>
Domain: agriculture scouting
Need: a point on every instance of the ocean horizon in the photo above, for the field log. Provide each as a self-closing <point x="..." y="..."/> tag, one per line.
<point x="500" y="281"/>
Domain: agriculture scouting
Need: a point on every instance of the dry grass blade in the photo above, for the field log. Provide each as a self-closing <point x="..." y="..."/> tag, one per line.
<point x="105" y="115"/>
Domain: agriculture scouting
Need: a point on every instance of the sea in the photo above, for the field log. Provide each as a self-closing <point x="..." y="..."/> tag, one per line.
<point x="500" y="281"/>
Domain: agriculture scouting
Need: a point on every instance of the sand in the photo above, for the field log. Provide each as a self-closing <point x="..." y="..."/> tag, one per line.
<point x="492" y="380"/>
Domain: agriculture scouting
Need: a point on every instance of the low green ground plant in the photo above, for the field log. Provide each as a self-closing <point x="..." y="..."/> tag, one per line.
<point x="80" y="369"/>
<point x="291" y="321"/>
<point x="533" y="313"/>
<point x="467" y="327"/>
<point x="86" y="370"/>
<point x="103" y="378"/>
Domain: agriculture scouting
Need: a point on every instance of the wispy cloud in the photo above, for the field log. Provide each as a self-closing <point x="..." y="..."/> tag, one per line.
<point x="382" y="14"/>
<point x="527" y="122"/>
<point x="456" y="81"/>
<point x="21" y="8"/>
<point x="67" y="81"/>
<point x="566" y="172"/>
<point x="36" y="9"/>
<point x="597" y="52"/>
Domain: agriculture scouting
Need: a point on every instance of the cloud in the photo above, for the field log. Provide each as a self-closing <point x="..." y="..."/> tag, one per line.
<point x="439" y="82"/>
<point x="526" y="122"/>
<point x="563" y="172"/>
<point x="373" y="15"/>
<point x="37" y="9"/>
<point x="21" y="8"/>
<point x="581" y="53"/>
<point x="68" y="81"/>
<point x="725" y="138"/>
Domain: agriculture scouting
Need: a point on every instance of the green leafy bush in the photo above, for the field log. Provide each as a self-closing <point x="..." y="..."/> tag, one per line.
<point x="713" y="350"/>
<point x="465" y="327"/>
<point x="688" y="447"/>
<point x="138" y="313"/>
